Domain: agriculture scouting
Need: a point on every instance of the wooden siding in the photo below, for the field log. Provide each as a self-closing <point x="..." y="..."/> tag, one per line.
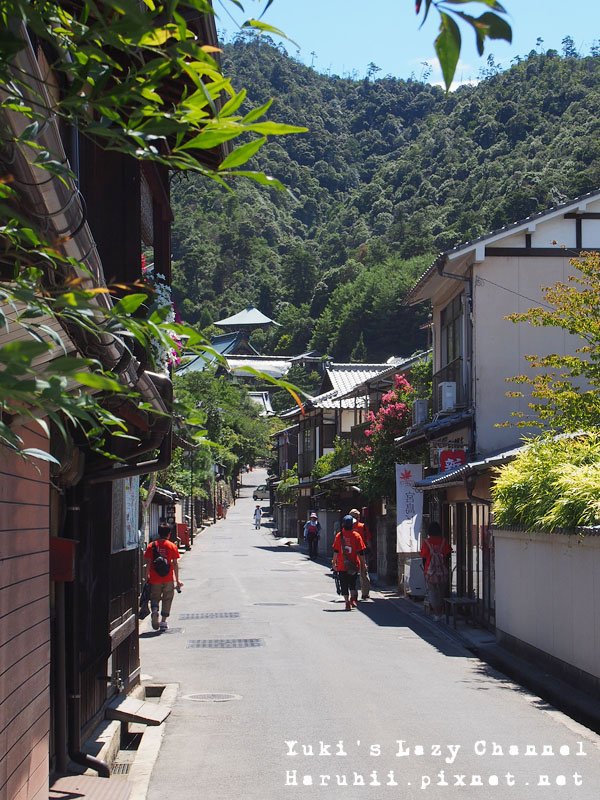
<point x="24" y="622"/>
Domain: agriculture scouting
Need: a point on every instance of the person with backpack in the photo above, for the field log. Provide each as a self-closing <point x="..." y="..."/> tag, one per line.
<point x="312" y="534"/>
<point x="365" y="533"/>
<point x="162" y="575"/>
<point x="348" y="559"/>
<point x="435" y="552"/>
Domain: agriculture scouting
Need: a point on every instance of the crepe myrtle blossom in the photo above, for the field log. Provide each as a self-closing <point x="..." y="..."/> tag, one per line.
<point x="390" y="420"/>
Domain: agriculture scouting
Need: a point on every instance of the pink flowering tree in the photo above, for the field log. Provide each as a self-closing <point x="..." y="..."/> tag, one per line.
<point x="376" y="460"/>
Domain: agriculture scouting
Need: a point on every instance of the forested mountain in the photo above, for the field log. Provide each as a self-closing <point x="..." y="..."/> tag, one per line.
<point x="390" y="173"/>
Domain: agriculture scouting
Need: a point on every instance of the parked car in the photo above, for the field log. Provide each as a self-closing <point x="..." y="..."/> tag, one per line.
<point x="261" y="492"/>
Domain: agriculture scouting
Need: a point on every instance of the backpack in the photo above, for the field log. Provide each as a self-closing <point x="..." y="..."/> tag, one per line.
<point x="350" y="565"/>
<point x="160" y="563"/>
<point x="312" y="529"/>
<point x="437" y="571"/>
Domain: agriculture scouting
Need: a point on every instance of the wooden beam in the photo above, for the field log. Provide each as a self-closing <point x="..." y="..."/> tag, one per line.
<point x="536" y="252"/>
<point x="583" y="215"/>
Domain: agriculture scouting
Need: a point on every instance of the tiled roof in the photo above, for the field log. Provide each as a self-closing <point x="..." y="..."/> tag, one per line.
<point x="334" y="399"/>
<point x="385" y="376"/>
<point x="227" y="342"/>
<point x="249" y="317"/>
<point x="344" y="377"/>
<point x="290" y="429"/>
<point x="344" y="473"/>
<point x="275" y="366"/>
<point x="262" y="400"/>
<point x="456" y="475"/>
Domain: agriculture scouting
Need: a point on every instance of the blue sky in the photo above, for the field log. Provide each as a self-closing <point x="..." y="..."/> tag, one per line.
<point x="344" y="36"/>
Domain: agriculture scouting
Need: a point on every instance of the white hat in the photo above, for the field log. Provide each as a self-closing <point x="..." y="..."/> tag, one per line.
<point x="314" y="514"/>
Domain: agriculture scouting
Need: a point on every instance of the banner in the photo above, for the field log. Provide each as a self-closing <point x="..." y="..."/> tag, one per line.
<point x="409" y="507"/>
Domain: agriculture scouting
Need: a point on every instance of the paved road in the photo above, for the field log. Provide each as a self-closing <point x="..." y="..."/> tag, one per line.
<point x="378" y="698"/>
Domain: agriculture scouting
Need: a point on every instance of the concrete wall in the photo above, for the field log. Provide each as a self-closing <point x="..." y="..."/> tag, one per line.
<point x="24" y="622"/>
<point x="492" y="364"/>
<point x="330" y="524"/>
<point x="286" y="521"/>
<point x="547" y="596"/>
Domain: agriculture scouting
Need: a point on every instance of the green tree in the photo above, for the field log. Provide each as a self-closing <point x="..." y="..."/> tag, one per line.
<point x="113" y="63"/>
<point x="359" y="353"/>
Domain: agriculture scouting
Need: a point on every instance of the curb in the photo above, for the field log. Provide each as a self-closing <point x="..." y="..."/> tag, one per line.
<point x="567" y="698"/>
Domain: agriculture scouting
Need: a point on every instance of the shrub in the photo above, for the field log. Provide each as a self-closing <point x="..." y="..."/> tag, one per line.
<point x="552" y="484"/>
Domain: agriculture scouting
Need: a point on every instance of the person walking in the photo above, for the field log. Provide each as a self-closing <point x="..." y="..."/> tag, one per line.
<point x="348" y="557"/>
<point x="435" y="552"/>
<point x="365" y="533"/>
<point x="257" y="517"/>
<point x="312" y="534"/>
<point x="161" y="573"/>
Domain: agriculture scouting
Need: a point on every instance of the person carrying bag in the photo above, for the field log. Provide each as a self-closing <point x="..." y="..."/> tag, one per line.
<point x="349" y="555"/>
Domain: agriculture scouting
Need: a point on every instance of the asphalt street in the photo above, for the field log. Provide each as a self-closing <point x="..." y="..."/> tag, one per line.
<point x="283" y="694"/>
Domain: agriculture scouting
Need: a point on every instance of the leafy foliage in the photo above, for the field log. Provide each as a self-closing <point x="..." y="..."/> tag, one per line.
<point x="235" y="431"/>
<point x="135" y="79"/>
<point x="389" y="170"/>
<point x="552" y="484"/>
<point x="287" y="490"/>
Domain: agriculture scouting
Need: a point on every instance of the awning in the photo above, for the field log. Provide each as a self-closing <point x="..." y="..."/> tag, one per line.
<point x="435" y="428"/>
<point x="343" y="474"/>
<point x="454" y="477"/>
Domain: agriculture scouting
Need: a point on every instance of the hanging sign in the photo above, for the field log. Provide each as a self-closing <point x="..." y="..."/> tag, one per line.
<point x="452" y="459"/>
<point x="409" y="507"/>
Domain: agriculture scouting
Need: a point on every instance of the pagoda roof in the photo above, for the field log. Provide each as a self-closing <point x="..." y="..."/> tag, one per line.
<point x="249" y="318"/>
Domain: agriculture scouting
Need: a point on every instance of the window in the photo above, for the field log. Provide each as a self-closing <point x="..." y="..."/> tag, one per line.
<point x="451" y="329"/>
<point x="125" y="508"/>
<point x="307" y="440"/>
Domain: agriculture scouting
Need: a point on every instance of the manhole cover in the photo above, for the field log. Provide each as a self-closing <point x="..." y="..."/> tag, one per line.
<point x="240" y="555"/>
<point x="223" y="644"/>
<point x="211" y="615"/>
<point x="274" y="604"/>
<point x="213" y="697"/>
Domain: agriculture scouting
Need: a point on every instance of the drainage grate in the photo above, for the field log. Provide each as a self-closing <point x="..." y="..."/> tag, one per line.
<point x="213" y="697"/>
<point x="240" y="555"/>
<point x="284" y="570"/>
<point x="211" y="615"/>
<point x="120" y="768"/>
<point x="274" y="604"/>
<point x="224" y="643"/>
<point x="172" y="630"/>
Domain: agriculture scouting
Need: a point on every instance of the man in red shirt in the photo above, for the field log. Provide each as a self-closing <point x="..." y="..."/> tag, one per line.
<point x="348" y="559"/>
<point x="435" y="552"/>
<point x="365" y="533"/>
<point x="162" y="587"/>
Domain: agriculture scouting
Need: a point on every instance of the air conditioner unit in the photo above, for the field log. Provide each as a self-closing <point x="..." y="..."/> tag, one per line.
<point x="419" y="411"/>
<point x="447" y="395"/>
